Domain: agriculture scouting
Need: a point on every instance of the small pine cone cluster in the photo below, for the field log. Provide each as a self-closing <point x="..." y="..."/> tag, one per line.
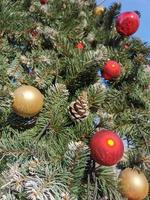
<point x="78" y="109"/>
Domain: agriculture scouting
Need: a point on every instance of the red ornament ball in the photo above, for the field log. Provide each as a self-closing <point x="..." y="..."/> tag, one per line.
<point x="43" y="2"/>
<point x="79" y="45"/>
<point x="127" y="23"/>
<point x="106" y="147"/>
<point x="111" y="70"/>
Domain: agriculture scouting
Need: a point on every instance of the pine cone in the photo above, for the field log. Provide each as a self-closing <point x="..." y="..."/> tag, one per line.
<point x="78" y="109"/>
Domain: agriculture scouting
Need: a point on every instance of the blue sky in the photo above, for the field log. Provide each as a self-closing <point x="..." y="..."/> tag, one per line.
<point x="141" y="5"/>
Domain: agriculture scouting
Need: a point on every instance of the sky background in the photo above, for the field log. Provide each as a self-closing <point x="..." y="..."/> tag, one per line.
<point x="141" y="5"/>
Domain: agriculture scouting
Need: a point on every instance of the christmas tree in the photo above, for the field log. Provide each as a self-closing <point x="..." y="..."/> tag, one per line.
<point x="74" y="102"/>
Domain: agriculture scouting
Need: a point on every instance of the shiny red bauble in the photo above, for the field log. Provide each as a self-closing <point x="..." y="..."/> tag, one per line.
<point x="127" y="23"/>
<point x="43" y="2"/>
<point x="106" y="147"/>
<point x="79" y="45"/>
<point x="111" y="70"/>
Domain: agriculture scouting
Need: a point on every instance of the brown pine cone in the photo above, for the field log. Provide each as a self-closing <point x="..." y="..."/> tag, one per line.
<point x="78" y="109"/>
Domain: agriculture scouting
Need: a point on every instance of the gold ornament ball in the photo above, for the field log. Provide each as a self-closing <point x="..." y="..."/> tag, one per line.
<point x="99" y="10"/>
<point x="133" y="184"/>
<point x="27" y="101"/>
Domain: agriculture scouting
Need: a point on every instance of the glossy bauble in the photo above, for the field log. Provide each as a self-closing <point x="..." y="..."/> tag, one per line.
<point x="133" y="184"/>
<point x="98" y="11"/>
<point x="106" y="147"/>
<point x="111" y="70"/>
<point x="27" y="101"/>
<point x="43" y="2"/>
<point x="127" y="23"/>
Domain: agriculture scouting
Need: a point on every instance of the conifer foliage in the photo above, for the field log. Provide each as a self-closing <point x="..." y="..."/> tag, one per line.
<point x="47" y="156"/>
